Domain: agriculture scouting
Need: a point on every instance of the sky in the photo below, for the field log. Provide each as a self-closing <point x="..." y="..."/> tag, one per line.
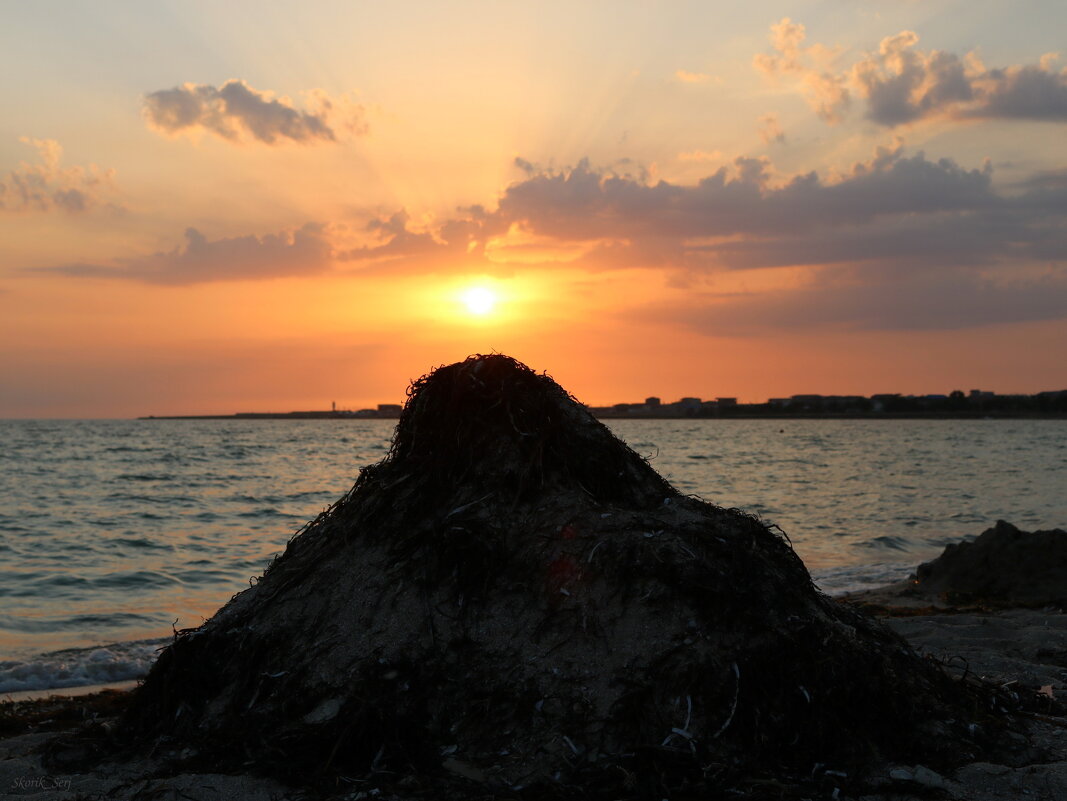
<point x="219" y="207"/>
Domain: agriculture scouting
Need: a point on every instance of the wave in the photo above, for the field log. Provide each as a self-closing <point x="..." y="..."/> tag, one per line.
<point x="144" y="477"/>
<point x="886" y="542"/>
<point x="78" y="667"/>
<point x="853" y="578"/>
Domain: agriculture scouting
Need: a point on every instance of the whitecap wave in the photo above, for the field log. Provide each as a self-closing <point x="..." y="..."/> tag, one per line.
<point x="78" y="667"/>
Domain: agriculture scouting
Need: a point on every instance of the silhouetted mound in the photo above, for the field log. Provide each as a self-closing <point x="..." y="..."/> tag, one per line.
<point x="1003" y="566"/>
<point x="515" y="597"/>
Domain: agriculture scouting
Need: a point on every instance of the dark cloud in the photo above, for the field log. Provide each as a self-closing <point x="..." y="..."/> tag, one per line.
<point x="527" y="167"/>
<point x="587" y="204"/>
<point x="47" y="185"/>
<point x="892" y="209"/>
<point x="1047" y="180"/>
<point x="304" y="251"/>
<point x="897" y="241"/>
<point x="1030" y="92"/>
<point x="902" y="84"/>
<point x="900" y="300"/>
<point x="236" y="112"/>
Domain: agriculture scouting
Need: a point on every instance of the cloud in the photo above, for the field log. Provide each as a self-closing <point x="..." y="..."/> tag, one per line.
<point x="812" y="67"/>
<point x="304" y="251"/>
<point x="891" y="207"/>
<point x="454" y="244"/>
<point x="771" y="130"/>
<point x="937" y="244"/>
<point x="701" y="155"/>
<point x="48" y="186"/>
<point x="1030" y="92"/>
<point x="902" y="84"/>
<point x="843" y="301"/>
<point x="898" y="241"/>
<point x="585" y="203"/>
<point x="684" y="76"/>
<point x="1049" y="179"/>
<point x="236" y="112"/>
<point x="787" y="38"/>
<point x="311" y="249"/>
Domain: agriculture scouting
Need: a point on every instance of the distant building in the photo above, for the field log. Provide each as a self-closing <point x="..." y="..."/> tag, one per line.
<point x="884" y="401"/>
<point x="806" y="403"/>
<point x="689" y="406"/>
<point x="652" y="402"/>
<point x="843" y="403"/>
<point x="724" y="402"/>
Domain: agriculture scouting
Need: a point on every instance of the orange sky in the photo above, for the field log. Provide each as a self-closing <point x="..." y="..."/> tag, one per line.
<point x="210" y="209"/>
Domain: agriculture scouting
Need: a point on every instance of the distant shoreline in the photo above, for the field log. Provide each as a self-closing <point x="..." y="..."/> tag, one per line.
<point x="778" y="415"/>
<point x="976" y="405"/>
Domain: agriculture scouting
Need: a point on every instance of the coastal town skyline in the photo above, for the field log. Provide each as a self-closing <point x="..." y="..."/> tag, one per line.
<point x="204" y="206"/>
<point x="954" y="404"/>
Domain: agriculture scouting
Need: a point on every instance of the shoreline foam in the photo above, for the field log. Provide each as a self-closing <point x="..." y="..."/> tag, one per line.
<point x="79" y="667"/>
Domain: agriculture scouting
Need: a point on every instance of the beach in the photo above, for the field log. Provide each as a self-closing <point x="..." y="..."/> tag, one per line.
<point x="1020" y="649"/>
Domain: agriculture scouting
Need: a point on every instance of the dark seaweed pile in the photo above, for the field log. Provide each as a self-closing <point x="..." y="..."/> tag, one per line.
<point x="514" y="603"/>
<point x="1004" y="566"/>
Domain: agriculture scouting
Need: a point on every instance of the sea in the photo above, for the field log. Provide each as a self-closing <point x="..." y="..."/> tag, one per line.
<point x="115" y="533"/>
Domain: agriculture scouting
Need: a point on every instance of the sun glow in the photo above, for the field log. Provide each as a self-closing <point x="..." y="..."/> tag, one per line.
<point x="479" y="300"/>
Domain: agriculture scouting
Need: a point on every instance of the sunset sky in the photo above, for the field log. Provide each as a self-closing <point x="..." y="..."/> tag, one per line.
<point x="215" y="207"/>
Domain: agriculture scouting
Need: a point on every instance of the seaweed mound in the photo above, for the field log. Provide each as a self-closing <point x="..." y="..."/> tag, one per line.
<point x="1003" y="566"/>
<point x="515" y="599"/>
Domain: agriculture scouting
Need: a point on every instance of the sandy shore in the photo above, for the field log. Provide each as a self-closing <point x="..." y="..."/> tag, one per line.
<point x="1025" y="650"/>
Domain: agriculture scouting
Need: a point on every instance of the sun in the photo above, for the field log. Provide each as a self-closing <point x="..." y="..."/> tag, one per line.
<point x="479" y="300"/>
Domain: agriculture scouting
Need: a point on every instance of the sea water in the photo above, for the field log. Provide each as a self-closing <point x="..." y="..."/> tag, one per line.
<point x="115" y="533"/>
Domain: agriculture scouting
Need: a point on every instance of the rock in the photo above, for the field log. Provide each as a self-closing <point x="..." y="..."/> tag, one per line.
<point x="926" y="777"/>
<point x="1003" y="566"/>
